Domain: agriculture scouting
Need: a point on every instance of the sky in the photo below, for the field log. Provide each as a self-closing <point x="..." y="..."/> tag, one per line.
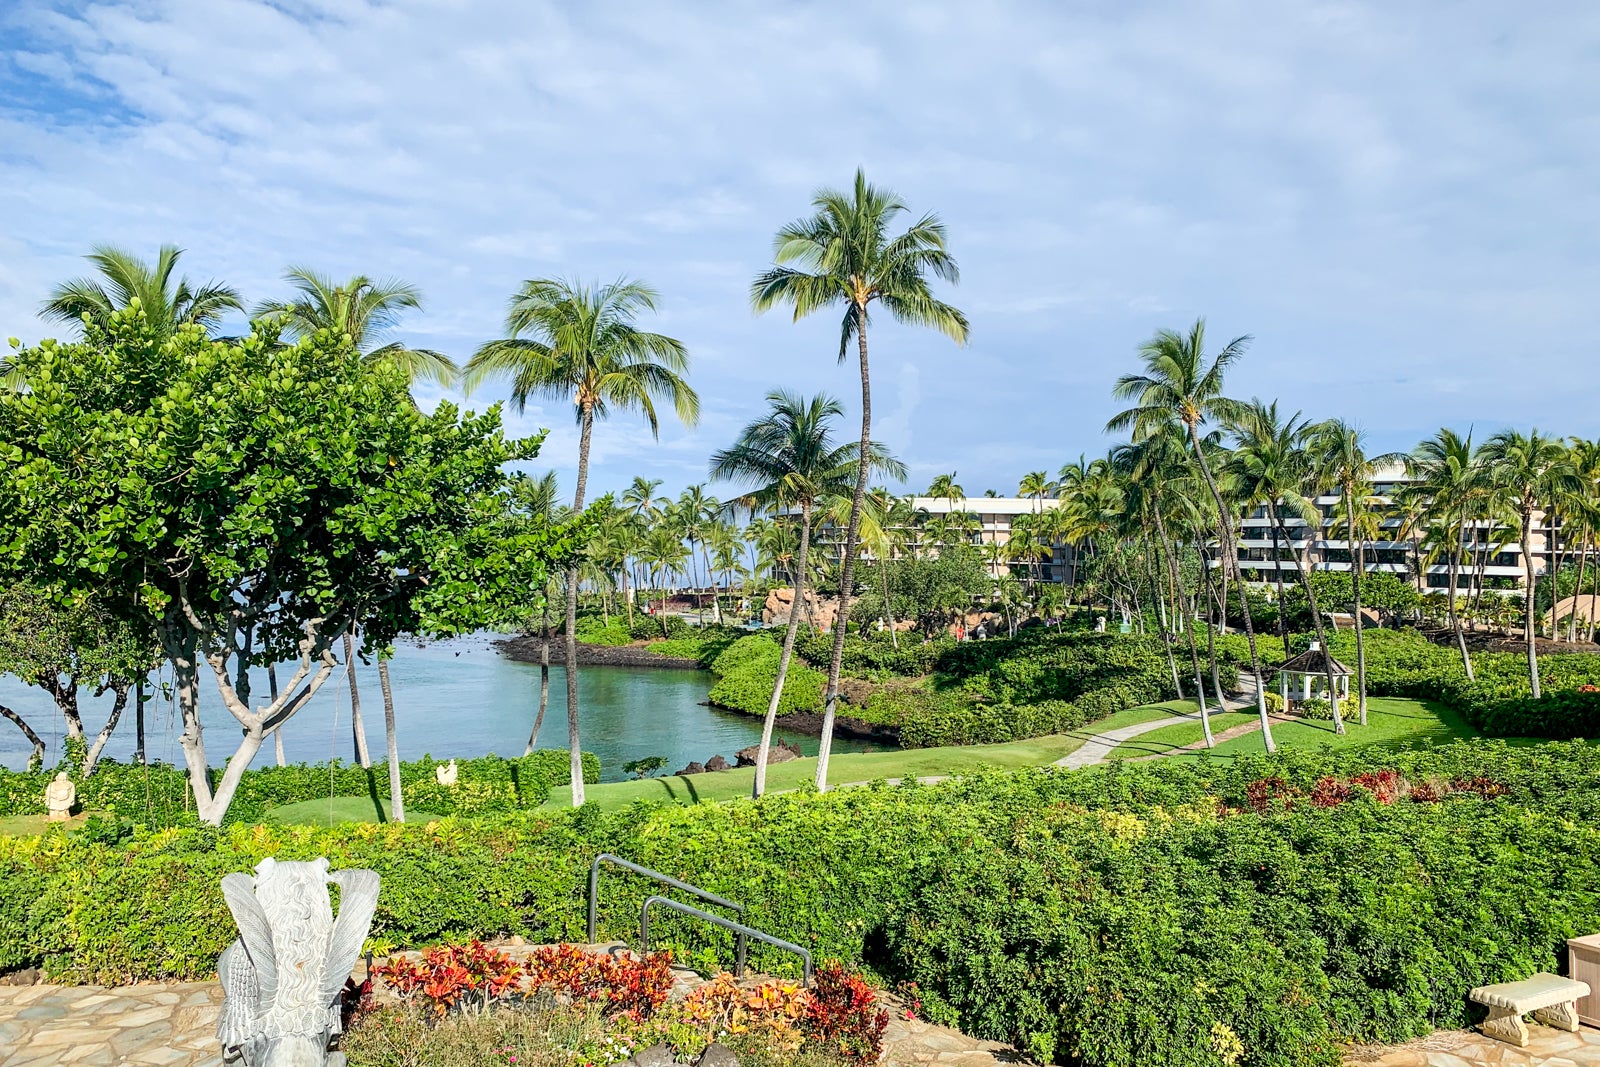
<point x="1397" y="201"/>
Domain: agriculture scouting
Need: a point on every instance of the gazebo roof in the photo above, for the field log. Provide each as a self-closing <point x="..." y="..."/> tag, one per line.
<point x="1313" y="660"/>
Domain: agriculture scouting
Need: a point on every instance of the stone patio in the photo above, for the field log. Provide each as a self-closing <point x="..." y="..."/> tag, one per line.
<point x="1468" y="1048"/>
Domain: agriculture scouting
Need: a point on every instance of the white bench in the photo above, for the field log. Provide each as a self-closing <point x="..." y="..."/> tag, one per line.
<point x="1552" y="999"/>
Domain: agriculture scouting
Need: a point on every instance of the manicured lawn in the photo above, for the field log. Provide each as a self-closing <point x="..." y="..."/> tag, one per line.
<point x="33" y="825"/>
<point x="1164" y="740"/>
<point x="1392" y="722"/>
<point x="339" y="810"/>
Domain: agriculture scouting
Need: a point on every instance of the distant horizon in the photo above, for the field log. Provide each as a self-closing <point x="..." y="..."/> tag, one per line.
<point x="1394" y="202"/>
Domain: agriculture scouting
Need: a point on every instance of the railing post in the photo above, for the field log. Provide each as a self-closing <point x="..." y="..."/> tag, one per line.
<point x="594" y="894"/>
<point x="739" y="948"/>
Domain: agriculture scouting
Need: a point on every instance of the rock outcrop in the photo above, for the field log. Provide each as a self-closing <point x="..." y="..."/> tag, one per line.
<point x="780" y="752"/>
<point x="780" y="602"/>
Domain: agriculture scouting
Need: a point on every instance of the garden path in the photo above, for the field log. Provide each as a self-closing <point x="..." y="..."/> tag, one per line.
<point x="1100" y="746"/>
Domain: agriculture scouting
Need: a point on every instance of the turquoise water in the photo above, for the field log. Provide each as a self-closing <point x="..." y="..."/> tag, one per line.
<point x="457" y="698"/>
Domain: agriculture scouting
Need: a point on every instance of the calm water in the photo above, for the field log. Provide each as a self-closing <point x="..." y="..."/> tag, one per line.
<point x="452" y="699"/>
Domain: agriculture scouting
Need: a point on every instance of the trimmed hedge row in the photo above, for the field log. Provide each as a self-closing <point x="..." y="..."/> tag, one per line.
<point x="155" y="795"/>
<point x="1143" y="913"/>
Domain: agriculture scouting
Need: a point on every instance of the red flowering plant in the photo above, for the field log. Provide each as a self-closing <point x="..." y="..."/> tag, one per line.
<point x="842" y="1011"/>
<point x="453" y="977"/>
<point x="624" y="985"/>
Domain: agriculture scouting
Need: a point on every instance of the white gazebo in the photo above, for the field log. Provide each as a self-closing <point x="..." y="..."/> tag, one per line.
<point x="1313" y="663"/>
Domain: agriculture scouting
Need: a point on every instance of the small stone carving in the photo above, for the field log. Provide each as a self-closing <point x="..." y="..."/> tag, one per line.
<point x="446" y="774"/>
<point x="59" y="796"/>
<point x="283" y="979"/>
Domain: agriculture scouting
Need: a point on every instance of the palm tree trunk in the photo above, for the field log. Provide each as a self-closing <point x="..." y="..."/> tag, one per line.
<point x="138" y="722"/>
<point x="848" y="566"/>
<point x="627" y="595"/>
<point x="1530" y="600"/>
<point x="277" y="733"/>
<point x="1211" y="634"/>
<point x="575" y="750"/>
<point x="1225" y="527"/>
<point x="1277" y="573"/>
<point x="1175" y="580"/>
<point x="544" y="675"/>
<point x="888" y="610"/>
<point x="788" y="653"/>
<point x="1357" y="573"/>
<point x="397" y="804"/>
<point x="1577" y="590"/>
<point x="357" y="727"/>
<point x="1454" y="570"/>
<point x="1302" y="565"/>
<point x="1151" y="566"/>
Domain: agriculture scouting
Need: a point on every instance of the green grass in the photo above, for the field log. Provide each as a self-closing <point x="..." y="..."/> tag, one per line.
<point x="844" y="768"/>
<point x="34" y="825"/>
<point x="1159" y="742"/>
<point x="339" y="810"/>
<point x="1392" y="723"/>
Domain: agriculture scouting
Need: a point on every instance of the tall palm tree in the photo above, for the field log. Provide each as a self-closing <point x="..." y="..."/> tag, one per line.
<point x="698" y="512"/>
<point x="843" y="256"/>
<point x="1181" y="384"/>
<point x="364" y="310"/>
<point x="1271" y="467"/>
<point x="1586" y="509"/>
<point x="579" y="342"/>
<point x="123" y="278"/>
<point x="1341" y="462"/>
<point x="537" y="498"/>
<point x="1534" y="467"/>
<point x="790" y="457"/>
<point x="1036" y="486"/>
<point x="1449" y="479"/>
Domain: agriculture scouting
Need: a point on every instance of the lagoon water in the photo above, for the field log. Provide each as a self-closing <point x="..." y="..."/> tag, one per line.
<point x="457" y="698"/>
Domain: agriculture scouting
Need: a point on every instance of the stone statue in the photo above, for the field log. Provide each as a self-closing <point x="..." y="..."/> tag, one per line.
<point x="283" y="979"/>
<point x="59" y="796"/>
<point x="446" y="773"/>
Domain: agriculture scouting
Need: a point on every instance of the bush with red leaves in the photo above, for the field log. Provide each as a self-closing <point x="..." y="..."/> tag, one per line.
<point x="622" y="983"/>
<point x="452" y="976"/>
<point x="842" y="1010"/>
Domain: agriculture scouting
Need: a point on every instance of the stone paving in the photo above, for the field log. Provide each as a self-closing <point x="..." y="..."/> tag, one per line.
<point x="1548" y="1047"/>
<point x="162" y="1025"/>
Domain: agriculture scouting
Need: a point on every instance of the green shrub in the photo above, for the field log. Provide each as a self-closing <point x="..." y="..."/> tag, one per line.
<point x="747" y="687"/>
<point x="154" y="795"/>
<point x="593" y="630"/>
<point x="1140" y="913"/>
<point x="1316" y="709"/>
<point x="647" y="627"/>
<point x="753" y="648"/>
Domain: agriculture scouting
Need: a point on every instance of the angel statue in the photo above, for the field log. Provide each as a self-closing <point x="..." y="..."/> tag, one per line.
<point x="282" y="980"/>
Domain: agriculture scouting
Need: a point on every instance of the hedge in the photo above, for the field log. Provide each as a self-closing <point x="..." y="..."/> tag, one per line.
<point x="1141" y="913"/>
<point x="155" y="795"/>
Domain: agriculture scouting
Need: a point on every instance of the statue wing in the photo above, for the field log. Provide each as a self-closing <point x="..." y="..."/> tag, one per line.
<point x="236" y="1023"/>
<point x="255" y="932"/>
<point x="358" y="898"/>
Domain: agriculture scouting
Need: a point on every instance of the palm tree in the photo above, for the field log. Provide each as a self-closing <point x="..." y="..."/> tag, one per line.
<point x="1270" y="466"/>
<point x="664" y="553"/>
<point x="1533" y="467"/>
<point x="1183" y="385"/>
<point x="536" y="498"/>
<point x="1035" y="486"/>
<point x="363" y="310"/>
<point x="843" y="256"/>
<point x="697" y="512"/>
<point x="1449" y="478"/>
<point x="791" y="459"/>
<point x="568" y="340"/>
<point x="1586" y="509"/>
<point x="124" y="279"/>
<point x="1339" y="457"/>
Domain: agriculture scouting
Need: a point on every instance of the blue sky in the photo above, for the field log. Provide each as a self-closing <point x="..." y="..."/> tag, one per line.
<point x="1399" y="201"/>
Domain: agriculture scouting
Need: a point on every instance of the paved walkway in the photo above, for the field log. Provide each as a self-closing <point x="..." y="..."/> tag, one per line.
<point x="1468" y="1048"/>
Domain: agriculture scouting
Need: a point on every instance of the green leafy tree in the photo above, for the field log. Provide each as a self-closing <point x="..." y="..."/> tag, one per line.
<point x="790" y="458"/>
<point x="580" y="343"/>
<point x="843" y="257"/>
<point x="248" y="502"/>
<point x="123" y="280"/>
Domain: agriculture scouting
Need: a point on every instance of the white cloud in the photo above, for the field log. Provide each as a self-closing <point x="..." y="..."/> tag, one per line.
<point x="1396" y="200"/>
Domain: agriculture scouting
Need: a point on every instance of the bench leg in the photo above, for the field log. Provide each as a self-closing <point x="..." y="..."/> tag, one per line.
<point x="1506" y="1025"/>
<point x="1560" y="1016"/>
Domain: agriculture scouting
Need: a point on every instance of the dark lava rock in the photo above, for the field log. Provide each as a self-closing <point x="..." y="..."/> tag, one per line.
<point x="695" y="767"/>
<point x="717" y="763"/>
<point x="718" y="1056"/>
<point x="780" y="752"/>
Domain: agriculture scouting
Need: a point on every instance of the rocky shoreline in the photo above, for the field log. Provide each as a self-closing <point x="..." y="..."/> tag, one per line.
<point x="525" y="648"/>
<point x="810" y="724"/>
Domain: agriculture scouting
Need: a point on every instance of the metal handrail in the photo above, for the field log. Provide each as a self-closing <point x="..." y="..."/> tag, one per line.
<point x="727" y="924"/>
<point x="594" y="886"/>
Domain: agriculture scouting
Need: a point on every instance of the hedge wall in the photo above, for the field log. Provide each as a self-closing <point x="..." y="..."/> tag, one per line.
<point x="155" y="795"/>
<point x="1150" y="913"/>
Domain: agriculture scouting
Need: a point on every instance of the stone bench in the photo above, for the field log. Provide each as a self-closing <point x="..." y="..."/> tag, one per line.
<point x="1552" y="999"/>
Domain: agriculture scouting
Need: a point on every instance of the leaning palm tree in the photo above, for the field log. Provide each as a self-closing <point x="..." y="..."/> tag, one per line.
<point x="536" y="499"/>
<point x="1182" y="385"/>
<point x="364" y="310"/>
<point x="568" y="340"/>
<point x="843" y="256"/>
<point x="1534" y="467"/>
<point x="124" y="279"/>
<point x="790" y="457"/>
